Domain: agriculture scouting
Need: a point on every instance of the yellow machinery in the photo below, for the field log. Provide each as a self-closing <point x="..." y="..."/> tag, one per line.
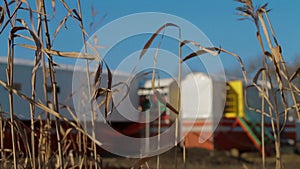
<point x="234" y="106"/>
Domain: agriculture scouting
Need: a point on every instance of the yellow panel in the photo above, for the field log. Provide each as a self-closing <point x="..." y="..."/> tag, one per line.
<point x="237" y="86"/>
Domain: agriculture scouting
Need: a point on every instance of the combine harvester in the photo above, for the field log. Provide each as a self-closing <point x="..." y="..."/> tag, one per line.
<point x="222" y="121"/>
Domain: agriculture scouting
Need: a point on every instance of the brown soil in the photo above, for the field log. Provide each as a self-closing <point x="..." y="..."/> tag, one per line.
<point x="199" y="158"/>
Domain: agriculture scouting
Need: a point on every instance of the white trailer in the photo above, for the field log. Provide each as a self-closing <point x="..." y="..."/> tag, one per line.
<point x="64" y="79"/>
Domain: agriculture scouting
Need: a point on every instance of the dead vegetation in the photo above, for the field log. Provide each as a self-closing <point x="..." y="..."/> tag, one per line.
<point x="283" y="92"/>
<point x="37" y="150"/>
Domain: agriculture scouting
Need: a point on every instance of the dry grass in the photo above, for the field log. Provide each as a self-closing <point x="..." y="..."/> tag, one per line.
<point x="36" y="149"/>
<point x="282" y="81"/>
<point x="39" y="146"/>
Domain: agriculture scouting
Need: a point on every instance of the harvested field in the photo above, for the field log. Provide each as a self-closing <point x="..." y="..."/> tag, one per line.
<point x="203" y="159"/>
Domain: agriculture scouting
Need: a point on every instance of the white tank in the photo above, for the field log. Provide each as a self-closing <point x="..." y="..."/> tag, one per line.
<point x="202" y="96"/>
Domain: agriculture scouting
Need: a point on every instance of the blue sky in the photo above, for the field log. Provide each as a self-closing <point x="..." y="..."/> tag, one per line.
<point x="217" y="19"/>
